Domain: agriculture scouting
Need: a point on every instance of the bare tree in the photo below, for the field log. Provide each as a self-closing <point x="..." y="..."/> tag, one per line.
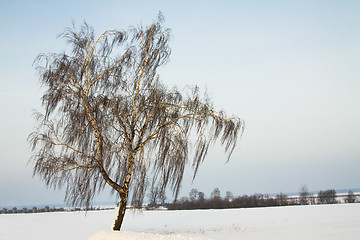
<point x="162" y="198"/>
<point x="229" y="196"/>
<point x="351" y="197"/>
<point x="282" y="199"/>
<point x="201" y="197"/>
<point x="215" y="194"/>
<point x="109" y="120"/>
<point x="327" y="197"/>
<point x="153" y="197"/>
<point x="193" y="194"/>
<point x="304" y="195"/>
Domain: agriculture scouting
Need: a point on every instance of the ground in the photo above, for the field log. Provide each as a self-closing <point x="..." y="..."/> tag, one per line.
<point x="340" y="221"/>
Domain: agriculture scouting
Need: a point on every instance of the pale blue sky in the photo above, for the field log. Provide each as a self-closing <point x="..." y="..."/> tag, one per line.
<point x="290" y="69"/>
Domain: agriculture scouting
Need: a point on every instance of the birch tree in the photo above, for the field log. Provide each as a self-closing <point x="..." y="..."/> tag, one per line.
<point x="109" y="120"/>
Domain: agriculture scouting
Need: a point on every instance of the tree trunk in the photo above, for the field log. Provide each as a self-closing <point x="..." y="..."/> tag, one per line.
<point x="124" y="195"/>
<point x="121" y="213"/>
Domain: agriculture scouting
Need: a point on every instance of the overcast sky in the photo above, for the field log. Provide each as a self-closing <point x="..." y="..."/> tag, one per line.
<point x="290" y="69"/>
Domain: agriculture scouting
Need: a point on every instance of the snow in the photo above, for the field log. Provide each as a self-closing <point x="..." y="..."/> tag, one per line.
<point x="330" y="222"/>
<point x="124" y="235"/>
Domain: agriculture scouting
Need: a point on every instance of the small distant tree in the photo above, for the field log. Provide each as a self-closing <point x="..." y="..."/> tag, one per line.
<point x="350" y="198"/>
<point x="327" y="197"/>
<point x="201" y="197"/>
<point x="193" y="194"/>
<point x="257" y="199"/>
<point x="153" y="197"/>
<point x="162" y="198"/>
<point x="282" y="199"/>
<point x="215" y="194"/>
<point x="229" y="196"/>
<point x="109" y="120"/>
<point x="321" y="197"/>
<point x="216" y="201"/>
<point x="304" y="195"/>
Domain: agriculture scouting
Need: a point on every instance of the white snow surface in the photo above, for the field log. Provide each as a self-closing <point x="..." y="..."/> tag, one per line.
<point x="330" y="222"/>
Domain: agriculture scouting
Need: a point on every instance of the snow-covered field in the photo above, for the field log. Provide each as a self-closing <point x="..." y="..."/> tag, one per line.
<point x="318" y="222"/>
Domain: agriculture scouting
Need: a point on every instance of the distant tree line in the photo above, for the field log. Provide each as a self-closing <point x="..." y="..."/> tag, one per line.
<point x="48" y="209"/>
<point x="229" y="201"/>
<point x="197" y="200"/>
